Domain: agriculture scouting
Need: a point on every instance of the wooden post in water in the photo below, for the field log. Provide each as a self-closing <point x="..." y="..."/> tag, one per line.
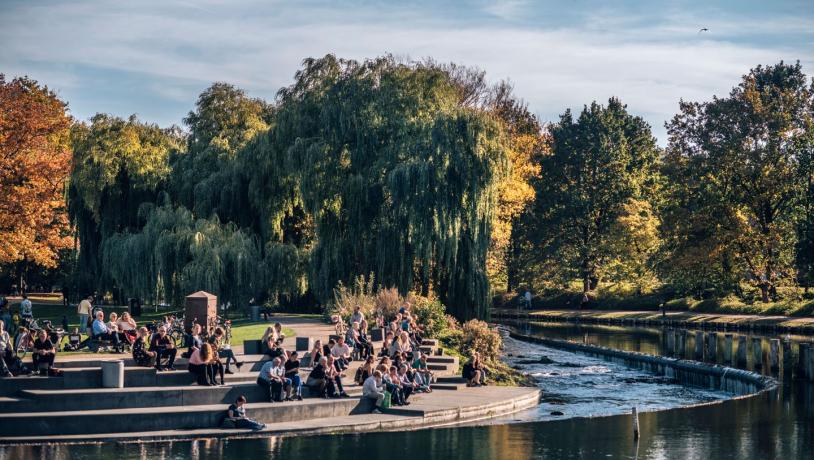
<point x="727" y="349"/>
<point x="774" y="352"/>
<point x="810" y="364"/>
<point x="712" y="347"/>
<point x="635" y="425"/>
<point x="787" y="364"/>
<point x="699" y="345"/>
<point x="742" y="351"/>
<point x="671" y="341"/>
<point x="802" y="360"/>
<point x="757" y="352"/>
<point x="682" y="342"/>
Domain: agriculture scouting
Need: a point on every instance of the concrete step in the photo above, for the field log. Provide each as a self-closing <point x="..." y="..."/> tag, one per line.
<point x="427" y="350"/>
<point x="437" y="367"/>
<point x="442" y="359"/>
<point x="429" y="342"/>
<point x="170" y="417"/>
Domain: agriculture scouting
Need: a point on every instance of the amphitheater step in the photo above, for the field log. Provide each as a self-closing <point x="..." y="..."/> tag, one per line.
<point x="169" y="417"/>
<point x="442" y="359"/>
<point x="429" y="342"/>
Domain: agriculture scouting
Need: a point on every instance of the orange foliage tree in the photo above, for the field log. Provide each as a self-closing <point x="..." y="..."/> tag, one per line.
<point x="34" y="165"/>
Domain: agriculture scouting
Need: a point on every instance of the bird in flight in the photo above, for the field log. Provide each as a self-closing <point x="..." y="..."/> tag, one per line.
<point x="703" y="30"/>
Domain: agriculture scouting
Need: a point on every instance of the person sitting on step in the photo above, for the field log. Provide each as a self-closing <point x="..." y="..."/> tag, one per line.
<point x="274" y="350"/>
<point x="271" y="378"/>
<point x="141" y="355"/>
<point x="215" y="367"/>
<point x="101" y="331"/>
<point x="365" y="370"/>
<point x="292" y="373"/>
<point x="365" y="344"/>
<point x="200" y="365"/>
<point x="224" y="350"/>
<point x="393" y="385"/>
<point x="127" y="326"/>
<point x="316" y="353"/>
<point x="6" y="355"/>
<point x="194" y="341"/>
<point x="278" y="331"/>
<point x="405" y="388"/>
<point x="164" y="347"/>
<point x="341" y="354"/>
<point x="317" y="380"/>
<point x="373" y="388"/>
<point x="472" y="374"/>
<point x="237" y="415"/>
<point x="408" y="382"/>
<point x="423" y="372"/>
<point x="44" y="353"/>
<point x="334" y="386"/>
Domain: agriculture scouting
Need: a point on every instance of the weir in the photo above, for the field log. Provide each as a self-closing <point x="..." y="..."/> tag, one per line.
<point x="694" y="373"/>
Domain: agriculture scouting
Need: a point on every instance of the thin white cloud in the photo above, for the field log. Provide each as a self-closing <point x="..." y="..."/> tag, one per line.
<point x="184" y="48"/>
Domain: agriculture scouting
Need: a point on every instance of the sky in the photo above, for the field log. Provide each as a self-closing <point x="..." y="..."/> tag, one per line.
<point x="153" y="57"/>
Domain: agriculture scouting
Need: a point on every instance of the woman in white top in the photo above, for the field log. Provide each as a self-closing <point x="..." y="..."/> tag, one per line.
<point x="127" y="326"/>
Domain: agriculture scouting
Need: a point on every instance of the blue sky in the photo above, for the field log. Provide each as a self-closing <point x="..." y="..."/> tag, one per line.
<point x="153" y="57"/>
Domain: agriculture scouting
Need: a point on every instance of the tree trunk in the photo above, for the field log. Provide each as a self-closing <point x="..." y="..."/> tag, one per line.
<point x="764" y="292"/>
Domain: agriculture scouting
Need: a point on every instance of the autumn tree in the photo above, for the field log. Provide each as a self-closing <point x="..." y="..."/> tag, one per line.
<point x="34" y="161"/>
<point x="591" y="207"/>
<point x="742" y="154"/>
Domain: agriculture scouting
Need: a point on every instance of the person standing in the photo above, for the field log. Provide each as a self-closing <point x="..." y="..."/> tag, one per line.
<point x="26" y="309"/>
<point x="83" y="310"/>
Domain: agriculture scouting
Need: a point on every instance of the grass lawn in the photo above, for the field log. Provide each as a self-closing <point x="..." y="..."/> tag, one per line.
<point x="242" y="327"/>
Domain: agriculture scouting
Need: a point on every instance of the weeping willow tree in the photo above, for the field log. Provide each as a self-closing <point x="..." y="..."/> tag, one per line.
<point x="398" y="175"/>
<point x="175" y="254"/>
<point x="117" y="165"/>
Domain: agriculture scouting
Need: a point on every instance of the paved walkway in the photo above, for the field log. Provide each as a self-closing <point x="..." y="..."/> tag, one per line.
<point x="439" y="408"/>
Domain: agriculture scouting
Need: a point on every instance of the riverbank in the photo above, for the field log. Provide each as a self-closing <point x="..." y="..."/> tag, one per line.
<point x="780" y="324"/>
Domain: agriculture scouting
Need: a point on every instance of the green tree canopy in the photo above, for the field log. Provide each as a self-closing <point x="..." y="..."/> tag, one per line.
<point x="735" y="162"/>
<point x="602" y="167"/>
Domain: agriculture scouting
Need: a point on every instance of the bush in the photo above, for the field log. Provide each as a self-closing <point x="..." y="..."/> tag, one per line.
<point x="478" y="336"/>
<point x="388" y="302"/>
<point x="346" y="298"/>
<point x="430" y="315"/>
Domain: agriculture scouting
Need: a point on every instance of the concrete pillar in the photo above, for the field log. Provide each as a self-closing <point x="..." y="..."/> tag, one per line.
<point x="741" y="351"/>
<point x="712" y="347"/>
<point x="727" y="349"/>
<point x="810" y="365"/>
<point x="699" y="345"/>
<point x="802" y="360"/>
<point x="671" y="342"/>
<point x="787" y="358"/>
<point x="757" y="352"/>
<point x="682" y="342"/>
<point x="774" y="354"/>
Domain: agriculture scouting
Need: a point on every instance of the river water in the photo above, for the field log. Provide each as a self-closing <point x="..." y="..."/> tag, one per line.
<point x="594" y="396"/>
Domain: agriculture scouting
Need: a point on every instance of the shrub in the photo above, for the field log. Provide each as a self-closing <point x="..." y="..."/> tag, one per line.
<point x="346" y="298"/>
<point x="478" y="336"/>
<point x="430" y="315"/>
<point x="388" y="302"/>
